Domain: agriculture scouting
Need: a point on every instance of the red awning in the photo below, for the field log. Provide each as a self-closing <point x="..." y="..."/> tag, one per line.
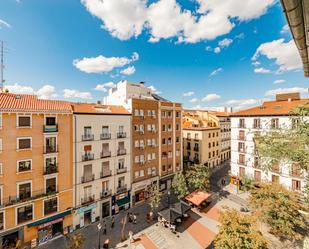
<point x="197" y="197"/>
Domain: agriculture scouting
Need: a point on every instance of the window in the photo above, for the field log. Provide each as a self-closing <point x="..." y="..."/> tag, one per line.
<point x="163" y="167"/>
<point x="1" y="221"/>
<point x="50" y="120"/>
<point x="209" y="155"/>
<point x="177" y="127"/>
<point x="163" y="127"/>
<point x="209" y="145"/>
<point x="257" y="123"/>
<point x="136" y="112"/>
<point x="296" y="185"/>
<point x="188" y="135"/>
<point x="50" y="206"/>
<point x="163" y="140"/>
<point x="295" y="122"/>
<point x="241" y="135"/>
<point x="24" y="190"/>
<point x="241" y="147"/>
<point x="196" y="136"/>
<point x="241" y="159"/>
<point x="209" y="135"/>
<point x="24" y="165"/>
<point x="177" y="140"/>
<point x="242" y="171"/>
<point x="23" y="143"/>
<point x="241" y="123"/>
<point x="275" y="123"/>
<point x="177" y="114"/>
<point x="24" y="121"/>
<point x="51" y="185"/>
<point x="50" y="144"/>
<point x="24" y="214"/>
<point x="257" y="176"/>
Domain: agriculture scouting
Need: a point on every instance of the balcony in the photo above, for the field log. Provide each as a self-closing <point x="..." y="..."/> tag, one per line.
<point x="121" y="152"/>
<point x="141" y="162"/>
<point x="51" y="169"/>
<point x="121" y="189"/>
<point x="87" y="178"/>
<point x="196" y="149"/>
<point x="87" y="137"/>
<point x="50" y="149"/>
<point x="241" y="150"/>
<point x="121" y="170"/>
<point x="105" y="154"/>
<point x="105" y="174"/>
<point x="153" y="131"/>
<point x="121" y="134"/>
<point x="188" y="148"/>
<point x="87" y="157"/>
<point x="50" y="190"/>
<point x="241" y="125"/>
<point x="50" y="128"/>
<point x="105" y="193"/>
<point x="105" y="136"/>
<point x="87" y="199"/>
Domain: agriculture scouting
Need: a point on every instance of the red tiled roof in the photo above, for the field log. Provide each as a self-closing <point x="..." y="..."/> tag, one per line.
<point x="26" y="102"/>
<point x="91" y="108"/>
<point x="270" y="108"/>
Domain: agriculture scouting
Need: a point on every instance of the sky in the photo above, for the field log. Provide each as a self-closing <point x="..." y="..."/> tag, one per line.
<point x="202" y="53"/>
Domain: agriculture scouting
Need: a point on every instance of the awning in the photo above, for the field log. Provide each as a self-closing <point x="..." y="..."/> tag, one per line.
<point x="123" y="201"/>
<point x="197" y="197"/>
<point x="49" y="219"/>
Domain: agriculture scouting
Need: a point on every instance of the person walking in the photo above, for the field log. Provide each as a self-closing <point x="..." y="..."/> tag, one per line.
<point x="113" y="222"/>
<point x="104" y="228"/>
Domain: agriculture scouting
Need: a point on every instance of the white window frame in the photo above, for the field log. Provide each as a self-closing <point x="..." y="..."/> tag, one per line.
<point x="24" y="182"/>
<point x="16" y="218"/>
<point x="43" y="208"/>
<point x="46" y="177"/>
<point x="17" y="143"/>
<point x="1" y="145"/>
<point x="23" y="115"/>
<point x="17" y="165"/>
<point x="50" y="116"/>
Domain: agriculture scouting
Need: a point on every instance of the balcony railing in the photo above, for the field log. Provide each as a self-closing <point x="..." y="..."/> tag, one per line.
<point x="105" y="136"/>
<point x="196" y="149"/>
<point x="51" y="169"/>
<point x="105" y="174"/>
<point x="87" y="199"/>
<point x="121" y="152"/>
<point x="296" y="173"/>
<point x="50" y="149"/>
<point x="241" y="125"/>
<point x="240" y="162"/>
<point x="87" y="157"/>
<point x="50" y="190"/>
<point x="141" y="162"/>
<point x="105" y="154"/>
<point x="122" y="188"/>
<point x="105" y="193"/>
<point x="188" y="148"/>
<point x="121" y="134"/>
<point x="50" y="128"/>
<point x="87" y="178"/>
<point x="121" y="170"/>
<point x="241" y="150"/>
<point x="87" y="137"/>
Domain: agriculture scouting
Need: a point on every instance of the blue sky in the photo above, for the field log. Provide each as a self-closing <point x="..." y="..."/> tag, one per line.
<point x="65" y="49"/>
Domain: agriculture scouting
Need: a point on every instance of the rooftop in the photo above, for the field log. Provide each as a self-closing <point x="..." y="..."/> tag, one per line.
<point x="92" y="108"/>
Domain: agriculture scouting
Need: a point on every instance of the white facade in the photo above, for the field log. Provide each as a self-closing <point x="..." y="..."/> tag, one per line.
<point x="102" y="162"/>
<point x="242" y="143"/>
<point x="225" y="141"/>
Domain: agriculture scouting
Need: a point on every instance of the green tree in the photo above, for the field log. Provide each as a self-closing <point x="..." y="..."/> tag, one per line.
<point x="279" y="208"/>
<point x="247" y="183"/>
<point x="198" y="177"/>
<point x="76" y="241"/>
<point x="288" y="144"/>
<point x="179" y="185"/>
<point x="154" y="196"/>
<point x="238" y="231"/>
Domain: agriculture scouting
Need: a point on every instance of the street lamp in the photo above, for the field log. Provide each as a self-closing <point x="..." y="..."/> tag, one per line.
<point x="99" y="226"/>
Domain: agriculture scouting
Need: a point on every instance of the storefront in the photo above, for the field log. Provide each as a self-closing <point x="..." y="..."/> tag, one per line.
<point x="50" y="227"/>
<point x="106" y="206"/>
<point x="140" y="190"/>
<point x="8" y="239"/>
<point x="166" y="183"/>
<point x="139" y="196"/>
<point x="86" y="215"/>
<point x="120" y="202"/>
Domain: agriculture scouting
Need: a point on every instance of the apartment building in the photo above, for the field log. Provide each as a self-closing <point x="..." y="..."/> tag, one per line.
<point x="156" y="136"/>
<point x="271" y="115"/>
<point x="36" y="176"/>
<point x="102" y="159"/>
<point x="202" y="138"/>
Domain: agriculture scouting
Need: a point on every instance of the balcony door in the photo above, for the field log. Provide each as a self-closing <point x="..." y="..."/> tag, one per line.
<point x="88" y="172"/>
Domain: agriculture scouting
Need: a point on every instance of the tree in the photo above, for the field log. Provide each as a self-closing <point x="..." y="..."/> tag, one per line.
<point x="238" y="231"/>
<point x="76" y="241"/>
<point x="289" y="144"/>
<point x="154" y="196"/>
<point x="179" y="185"/>
<point x="279" y="208"/>
<point x="247" y="183"/>
<point x="198" y="177"/>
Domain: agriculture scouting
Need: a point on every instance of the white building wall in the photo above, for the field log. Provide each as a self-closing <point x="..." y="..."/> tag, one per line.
<point x="284" y="122"/>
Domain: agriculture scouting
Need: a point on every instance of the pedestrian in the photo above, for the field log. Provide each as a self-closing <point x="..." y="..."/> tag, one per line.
<point x="151" y="215"/>
<point x="131" y="236"/>
<point x="113" y="222"/>
<point x="148" y="217"/>
<point x="134" y="218"/>
<point x="104" y="228"/>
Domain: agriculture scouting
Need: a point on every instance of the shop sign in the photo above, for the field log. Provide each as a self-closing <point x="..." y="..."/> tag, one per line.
<point x="85" y="209"/>
<point x="50" y="223"/>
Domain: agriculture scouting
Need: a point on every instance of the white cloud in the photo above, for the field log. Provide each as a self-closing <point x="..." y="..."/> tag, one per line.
<point x="166" y="19"/>
<point x="188" y="94"/>
<point x="128" y="71"/>
<point x="102" y="87"/>
<point x="4" y="24"/>
<point x="72" y="93"/>
<point x="47" y="92"/>
<point x="102" y="64"/>
<point x="211" y="97"/>
<point x="256" y="63"/>
<point x="285" y="90"/>
<point x="286" y="55"/>
<point x="109" y="84"/>
<point x="238" y="104"/>
<point x="285" y="29"/>
<point x="279" y="81"/>
<point x="154" y="90"/>
<point x="194" y="100"/>
<point x="217" y="50"/>
<point x="240" y="36"/>
<point x="215" y="72"/>
<point x="261" y="70"/>
<point x="225" y="42"/>
<point x="208" y="48"/>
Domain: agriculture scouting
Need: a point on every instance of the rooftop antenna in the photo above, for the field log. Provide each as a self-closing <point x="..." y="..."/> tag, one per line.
<point x="2" y="68"/>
